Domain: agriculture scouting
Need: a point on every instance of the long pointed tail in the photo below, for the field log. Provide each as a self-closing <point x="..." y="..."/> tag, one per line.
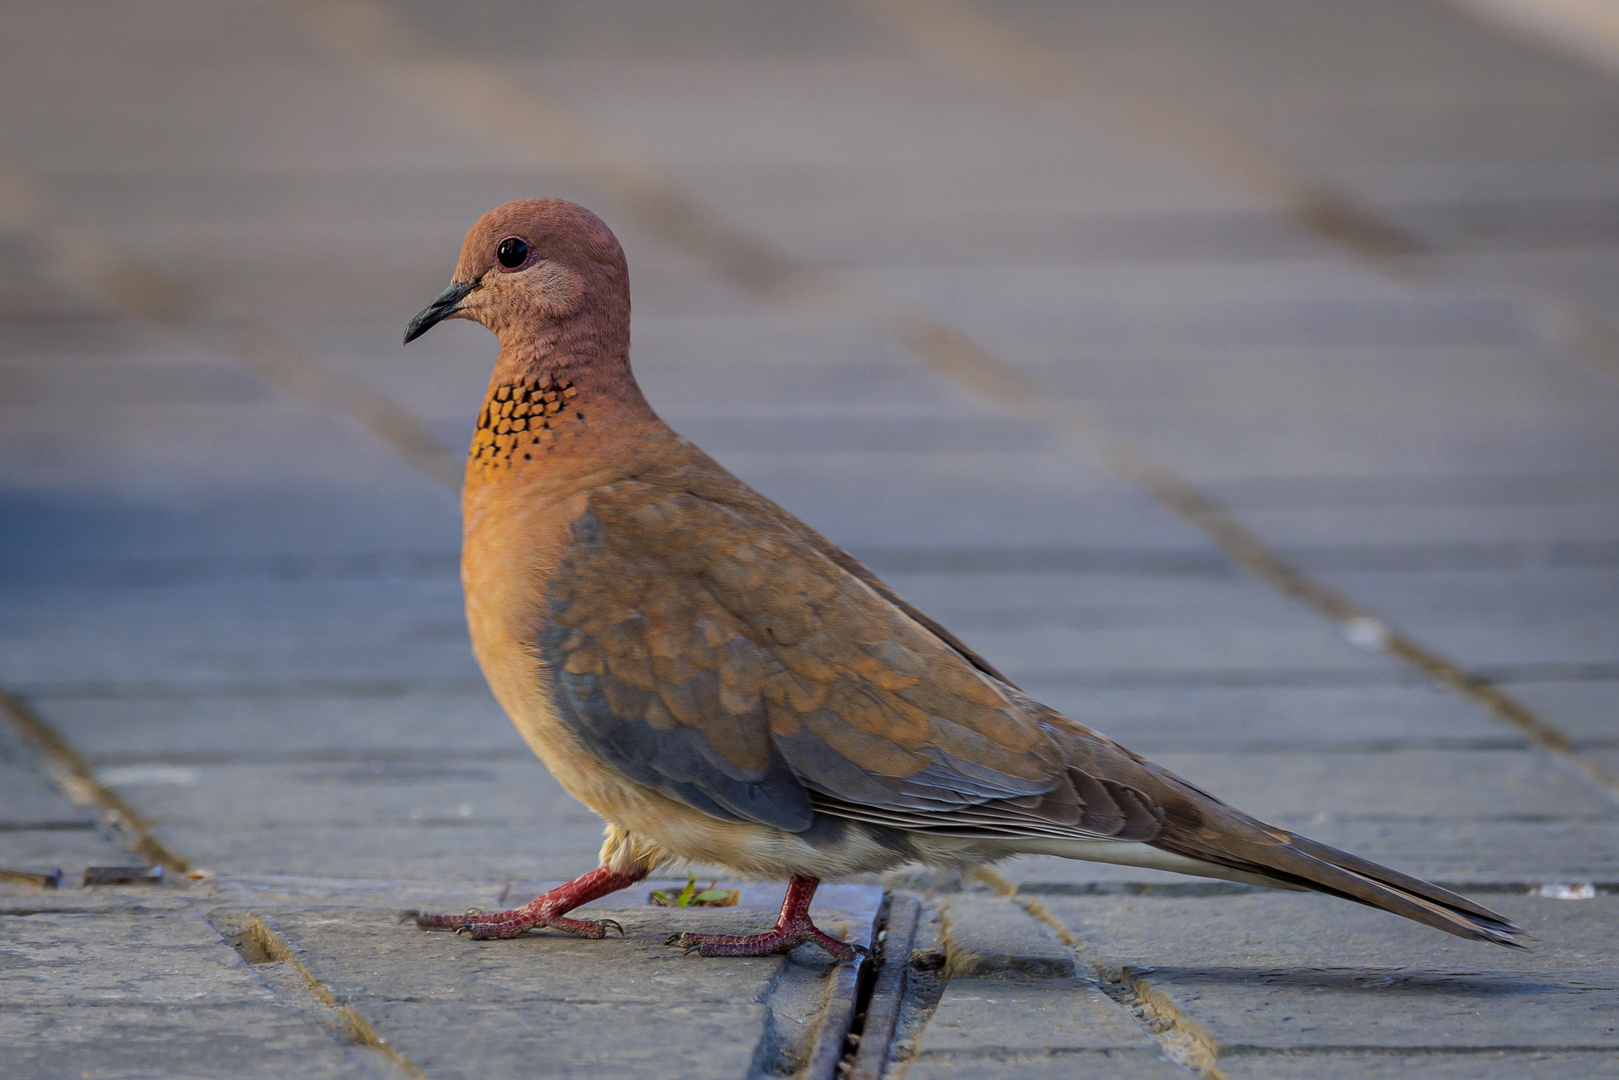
<point x="1208" y="831"/>
<point x="1288" y="859"/>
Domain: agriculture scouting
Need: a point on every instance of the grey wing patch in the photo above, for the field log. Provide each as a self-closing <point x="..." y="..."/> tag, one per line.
<point x="677" y="763"/>
<point x="735" y="675"/>
<point x="679" y="724"/>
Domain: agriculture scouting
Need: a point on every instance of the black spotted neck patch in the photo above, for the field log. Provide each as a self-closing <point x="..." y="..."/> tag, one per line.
<point x="522" y="420"/>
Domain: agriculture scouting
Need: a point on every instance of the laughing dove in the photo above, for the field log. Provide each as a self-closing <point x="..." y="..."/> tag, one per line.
<point x="724" y="685"/>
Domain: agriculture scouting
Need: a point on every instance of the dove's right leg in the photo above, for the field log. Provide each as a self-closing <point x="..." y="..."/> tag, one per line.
<point x="546" y="909"/>
<point x="793" y="928"/>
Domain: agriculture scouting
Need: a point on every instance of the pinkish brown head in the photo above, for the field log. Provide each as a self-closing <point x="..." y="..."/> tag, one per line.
<point x="548" y="277"/>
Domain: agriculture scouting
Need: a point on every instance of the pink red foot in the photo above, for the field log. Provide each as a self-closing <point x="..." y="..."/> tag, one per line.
<point x="546" y="910"/>
<point x="481" y="926"/>
<point x="793" y="928"/>
<point x="778" y="940"/>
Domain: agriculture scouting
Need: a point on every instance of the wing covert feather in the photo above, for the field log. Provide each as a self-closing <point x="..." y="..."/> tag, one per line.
<point x="715" y="656"/>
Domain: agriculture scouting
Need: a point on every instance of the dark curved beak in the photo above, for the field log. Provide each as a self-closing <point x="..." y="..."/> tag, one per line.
<point x="446" y="304"/>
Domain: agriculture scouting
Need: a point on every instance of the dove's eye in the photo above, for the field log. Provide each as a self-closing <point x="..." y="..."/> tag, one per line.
<point x="512" y="252"/>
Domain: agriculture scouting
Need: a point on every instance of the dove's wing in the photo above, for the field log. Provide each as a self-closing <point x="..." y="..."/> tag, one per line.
<point x="713" y="654"/>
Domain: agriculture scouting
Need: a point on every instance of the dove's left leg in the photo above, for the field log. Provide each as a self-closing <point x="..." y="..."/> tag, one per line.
<point x="793" y="928"/>
<point x="546" y="909"/>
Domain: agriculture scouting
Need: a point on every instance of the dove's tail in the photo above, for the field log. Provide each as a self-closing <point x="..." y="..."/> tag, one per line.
<point x="1286" y="860"/>
<point x="1200" y="835"/>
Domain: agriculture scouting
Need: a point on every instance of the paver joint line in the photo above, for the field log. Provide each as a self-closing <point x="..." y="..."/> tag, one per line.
<point x="257" y="942"/>
<point x="966" y="361"/>
<point x="974" y="41"/>
<point x="1252" y="552"/>
<point x="78" y="782"/>
<point x="276" y="358"/>
<point x="989" y="49"/>
<point x="146" y="294"/>
<point x="1182" y="1039"/>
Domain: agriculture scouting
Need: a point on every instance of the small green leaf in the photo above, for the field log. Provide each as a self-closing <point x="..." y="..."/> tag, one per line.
<point x="708" y="896"/>
<point x="686" y="893"/>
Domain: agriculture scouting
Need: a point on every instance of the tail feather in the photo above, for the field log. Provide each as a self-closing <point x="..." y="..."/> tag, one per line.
<point x="1297" y="861"/>
<point x="1391" y="878"/>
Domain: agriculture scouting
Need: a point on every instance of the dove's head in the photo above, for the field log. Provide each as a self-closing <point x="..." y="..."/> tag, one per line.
<point x="548" y="277"/>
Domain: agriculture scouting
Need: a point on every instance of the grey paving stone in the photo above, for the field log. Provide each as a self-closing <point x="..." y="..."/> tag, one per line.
<point x="183" y="728"/>
<point x="452" y="855"/>
<point x="1277" y="928"/>
<point x="1588" y="711"/>
<point x="144" y="992"/>
<point x="357" y="794"/>
<point x="198" y="637"/>
<point x="1246" y="1007"/>
<point x="38" y="851"/>
<point x="151" y="1040"/>
<point x="28" y="800"/>
<point x="632" y="1006"/>
<point x="1289" y="972"/>
<point x="1433" y="785"/>
<point x="1012" y="1024"/>
<point x="457" y="819"/>
<point x="575" y="1038"/>
<point x="1606" y="759"/>
<point x="165" y="958"/>
<point x="1471" y="1064"/>
<point x="1020" y="1026"/>
<point x="1021" y="1014"/>
<point x="1558" y="616"/>
<point x="1107" y="1063"/>
<point x="1112" y="629"/>
<point x="1325" y="719"/>
<point x="988" y="935"/>
<point x="1514" y="528"/>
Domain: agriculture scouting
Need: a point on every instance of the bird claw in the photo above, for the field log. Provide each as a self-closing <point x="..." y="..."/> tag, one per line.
<point x="674" y="937"/>
<point x="686" y="944"/>
<point x="548" y="910"/>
